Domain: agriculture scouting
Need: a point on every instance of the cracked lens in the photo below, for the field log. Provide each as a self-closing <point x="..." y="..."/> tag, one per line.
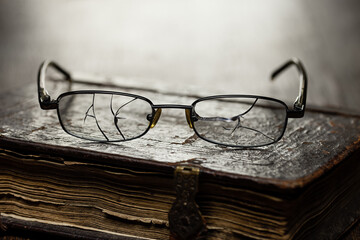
<point x="240" y="121"/>
<point x="104" y="117"/>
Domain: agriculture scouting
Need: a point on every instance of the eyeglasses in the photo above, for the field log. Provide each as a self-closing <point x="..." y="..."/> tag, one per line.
<point x="229" y="120"/>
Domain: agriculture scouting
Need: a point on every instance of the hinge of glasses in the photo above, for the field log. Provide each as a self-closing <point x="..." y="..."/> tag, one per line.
<point x="298" y="105"/>
<point x="45" y="100"/>
<point x="298" y="111"/>
<point x="185" y="219"/>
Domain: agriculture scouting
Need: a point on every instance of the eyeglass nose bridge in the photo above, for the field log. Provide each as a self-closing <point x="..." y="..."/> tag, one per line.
<point x="156" y="117"/>
<point x="188" y="117"/>
<point x="188" y="111"/>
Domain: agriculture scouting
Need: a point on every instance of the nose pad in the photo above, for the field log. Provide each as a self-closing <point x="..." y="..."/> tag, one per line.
<point x="188" y="117"/>
<point x="156" y="117"/>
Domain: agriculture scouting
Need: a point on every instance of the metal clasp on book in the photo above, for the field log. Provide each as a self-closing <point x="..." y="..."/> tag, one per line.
<point x="185" y="219"/>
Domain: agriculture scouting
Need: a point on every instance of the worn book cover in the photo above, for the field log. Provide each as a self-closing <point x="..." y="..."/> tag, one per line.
<point x="306" y="186"/>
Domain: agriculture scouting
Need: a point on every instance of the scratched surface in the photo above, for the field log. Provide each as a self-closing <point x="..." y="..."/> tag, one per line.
<point x="308" y="143"/>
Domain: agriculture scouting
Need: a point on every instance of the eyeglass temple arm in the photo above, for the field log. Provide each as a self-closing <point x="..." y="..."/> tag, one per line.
<point x="46" y="102"/>
<point x="300" y="102"/>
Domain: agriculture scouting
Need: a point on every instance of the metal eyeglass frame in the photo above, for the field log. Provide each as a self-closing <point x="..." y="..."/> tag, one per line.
<point x="47" y="103"/>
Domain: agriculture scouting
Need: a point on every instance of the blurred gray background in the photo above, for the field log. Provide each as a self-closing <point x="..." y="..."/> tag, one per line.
<point x="201" y="46"/>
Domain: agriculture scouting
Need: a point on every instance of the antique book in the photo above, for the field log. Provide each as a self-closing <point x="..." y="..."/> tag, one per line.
<point x="306" y="186"/>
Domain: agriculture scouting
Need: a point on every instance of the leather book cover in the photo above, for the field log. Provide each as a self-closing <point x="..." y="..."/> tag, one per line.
<point x="52" y="184"/>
